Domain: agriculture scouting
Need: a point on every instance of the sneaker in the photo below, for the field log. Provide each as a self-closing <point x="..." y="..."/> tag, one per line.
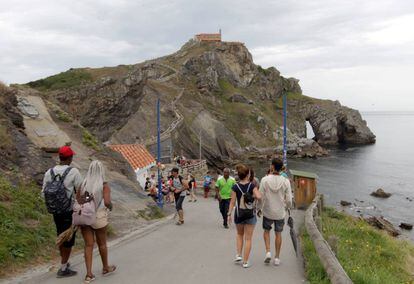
<point x="268" y="257"/>
<point x="246" y="265"/>
<point x="238" y="259"/>
<point x="226" y="226"/>
<point x="66" y="273"/>
<point x="277" y="261"/>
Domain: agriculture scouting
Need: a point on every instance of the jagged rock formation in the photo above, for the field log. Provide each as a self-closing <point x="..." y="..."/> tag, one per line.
<point x="20" y="158"/>
<point x="214" y="90"/>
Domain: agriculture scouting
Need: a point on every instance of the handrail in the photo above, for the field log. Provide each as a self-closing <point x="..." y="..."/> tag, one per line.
<point x="333" y="268"/>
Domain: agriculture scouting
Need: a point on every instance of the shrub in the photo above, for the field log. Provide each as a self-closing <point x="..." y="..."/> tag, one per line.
<point x="64" y="80"/>
<point x="89" y="140"/>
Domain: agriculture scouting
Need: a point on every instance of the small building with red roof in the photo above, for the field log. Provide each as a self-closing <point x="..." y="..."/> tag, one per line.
<point x="138" y="157"/>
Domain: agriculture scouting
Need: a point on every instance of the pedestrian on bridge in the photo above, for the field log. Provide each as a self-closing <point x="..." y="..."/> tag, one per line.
<point x="179" y="186"/>
<point x="192" y="185"/>
<point x="224" y="187"/>
<point x="96" y="187"/>
<point x="244" y="195"/>
<point x="277" y="197"/>
<point x="59" y="186"/>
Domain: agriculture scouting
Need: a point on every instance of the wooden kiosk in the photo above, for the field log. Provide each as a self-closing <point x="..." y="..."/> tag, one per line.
<point x="304" y="188"/>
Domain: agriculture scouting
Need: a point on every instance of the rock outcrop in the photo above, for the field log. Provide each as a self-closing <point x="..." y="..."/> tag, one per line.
<point x="20" y="158"/>
<point x="380" y="193"/>
<point x="105" y="105"/>
<point x="213" y="88"/>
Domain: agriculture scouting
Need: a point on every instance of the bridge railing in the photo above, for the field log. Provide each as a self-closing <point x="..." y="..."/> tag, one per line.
<point x="194" y="166"/>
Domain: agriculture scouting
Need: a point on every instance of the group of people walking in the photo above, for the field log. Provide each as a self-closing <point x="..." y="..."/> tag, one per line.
<point x="243" y="199"/>
<point x="250" y="199"/>
<point x="83" y="202"/>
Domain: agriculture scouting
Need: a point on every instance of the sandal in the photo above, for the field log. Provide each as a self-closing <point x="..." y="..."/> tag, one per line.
<point x="89" y="279"/>
<point x="108" y="271"/>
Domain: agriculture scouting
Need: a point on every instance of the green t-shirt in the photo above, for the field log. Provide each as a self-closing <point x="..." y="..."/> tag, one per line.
<point x="225" y="186"/>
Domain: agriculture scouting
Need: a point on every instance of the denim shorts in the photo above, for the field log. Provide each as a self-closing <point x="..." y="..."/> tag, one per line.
<point x="267" y="224"/>
<point x="251" y="221"/>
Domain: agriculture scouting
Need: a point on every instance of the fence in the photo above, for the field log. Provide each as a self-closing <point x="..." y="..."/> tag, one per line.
<point x="195" y="165"/>
<point x="333" y="268"/>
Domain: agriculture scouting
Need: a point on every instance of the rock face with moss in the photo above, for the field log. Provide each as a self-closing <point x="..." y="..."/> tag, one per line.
<point x="208" y="90"/>
<point x="19" y="156"/>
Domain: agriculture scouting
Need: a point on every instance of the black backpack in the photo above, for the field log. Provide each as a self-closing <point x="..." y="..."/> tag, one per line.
<point x="245" y="210"/>
<point x="56" y="198"/>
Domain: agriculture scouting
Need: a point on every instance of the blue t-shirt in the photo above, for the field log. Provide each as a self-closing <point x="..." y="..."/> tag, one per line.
<point x="207" y="181"/>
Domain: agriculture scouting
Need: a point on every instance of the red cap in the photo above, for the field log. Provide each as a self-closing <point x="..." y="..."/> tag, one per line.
<point x="66" y="152"/>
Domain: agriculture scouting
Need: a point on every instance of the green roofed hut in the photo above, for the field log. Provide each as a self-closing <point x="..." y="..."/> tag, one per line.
<point x="304" y="188"/>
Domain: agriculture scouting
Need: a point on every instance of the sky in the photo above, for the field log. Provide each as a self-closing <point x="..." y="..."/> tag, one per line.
<point x="358" y="52"/>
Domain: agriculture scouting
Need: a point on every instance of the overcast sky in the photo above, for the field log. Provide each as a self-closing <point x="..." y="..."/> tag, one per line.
<point x="359" y="52"/>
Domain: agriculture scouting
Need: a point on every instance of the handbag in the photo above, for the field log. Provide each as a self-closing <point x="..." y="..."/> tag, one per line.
<point x="101" y="218"/>
<point x="84" y="211"/>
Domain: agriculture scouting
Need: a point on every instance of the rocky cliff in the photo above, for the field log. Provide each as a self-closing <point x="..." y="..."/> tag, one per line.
<point x="212" y="91"/>
<point x="20" y="158"/>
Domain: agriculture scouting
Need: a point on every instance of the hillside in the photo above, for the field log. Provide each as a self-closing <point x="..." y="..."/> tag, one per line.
<point x="27" y="139"/>
<point x="209" y="89"/>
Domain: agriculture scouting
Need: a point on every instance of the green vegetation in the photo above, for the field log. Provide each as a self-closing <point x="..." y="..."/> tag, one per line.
<point x="89" y="140"/>
<point x="367" y="255"/>
<point x="263" y="71"/>
<point x="26" y="230"/>
<point x="63" y="116"/>
<point x="64" y="80"/>
<point x="152" y="212"/>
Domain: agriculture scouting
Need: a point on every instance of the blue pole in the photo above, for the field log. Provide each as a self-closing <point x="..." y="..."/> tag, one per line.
<point x="284" y="130"/>
<point x="160" y="198"/>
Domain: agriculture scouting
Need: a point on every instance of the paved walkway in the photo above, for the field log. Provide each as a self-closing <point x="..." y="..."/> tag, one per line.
<point x="201" y="251"/>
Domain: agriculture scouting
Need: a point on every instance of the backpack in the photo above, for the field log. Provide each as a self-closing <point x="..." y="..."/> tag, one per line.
<point x="244" y="209"/>
<point x="84" y="211"/>
<point x="55" y="192"/>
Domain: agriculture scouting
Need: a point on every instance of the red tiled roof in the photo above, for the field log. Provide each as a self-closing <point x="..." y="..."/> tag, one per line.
<point x="136" y="155"/>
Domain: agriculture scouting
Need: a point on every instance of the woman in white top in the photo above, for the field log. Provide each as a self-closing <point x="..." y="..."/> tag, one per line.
<point x="95" y="185"/>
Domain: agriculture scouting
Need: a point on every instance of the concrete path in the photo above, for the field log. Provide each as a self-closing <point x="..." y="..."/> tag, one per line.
<point x="201" y="251"/>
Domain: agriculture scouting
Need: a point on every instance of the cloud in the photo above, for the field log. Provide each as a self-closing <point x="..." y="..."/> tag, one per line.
<point x="310" y="40"/>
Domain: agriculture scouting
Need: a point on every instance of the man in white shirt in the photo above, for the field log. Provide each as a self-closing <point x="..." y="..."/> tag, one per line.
<point x="63" y="221"/>
<point x="276" y="198"/>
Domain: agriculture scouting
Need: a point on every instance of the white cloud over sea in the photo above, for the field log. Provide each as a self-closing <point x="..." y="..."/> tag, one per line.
<point x="359" y="52"/>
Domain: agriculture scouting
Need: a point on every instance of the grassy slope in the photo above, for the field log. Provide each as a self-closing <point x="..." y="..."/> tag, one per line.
<point x="26" y="228"/>
<point x="367" y="255"/>
<point x="76" y="77"/>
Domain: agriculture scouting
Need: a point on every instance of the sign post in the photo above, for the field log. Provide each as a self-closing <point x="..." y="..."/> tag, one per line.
<point x="285" y="130"/>
<point x="160" y="197"/>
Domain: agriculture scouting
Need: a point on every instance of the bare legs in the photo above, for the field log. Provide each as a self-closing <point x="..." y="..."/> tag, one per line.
<point x="266" y="237"/>
<point x="239" y="239"/>
<point x="278" y="242"/>
<point x="88" y="235"/>
<point x="244" y="238"/>
<point x="248" y="233"/>
<point x="64" y="254"/>
<point x="103" y="250"/>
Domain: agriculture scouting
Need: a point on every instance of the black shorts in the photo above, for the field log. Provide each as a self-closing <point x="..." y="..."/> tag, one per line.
<point x="63" y="222"/>
<point x="267" y="224"/>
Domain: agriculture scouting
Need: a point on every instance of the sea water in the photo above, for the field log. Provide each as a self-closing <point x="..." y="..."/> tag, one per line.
<point x="352" y="173"/>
